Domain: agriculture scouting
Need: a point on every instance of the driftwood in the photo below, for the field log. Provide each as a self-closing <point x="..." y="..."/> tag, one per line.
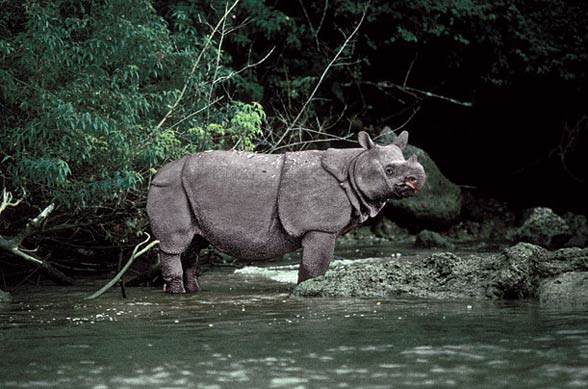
<point x="14" y="244"/>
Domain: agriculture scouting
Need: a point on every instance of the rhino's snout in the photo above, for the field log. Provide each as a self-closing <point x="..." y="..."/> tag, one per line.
<point x="411" y="182"/>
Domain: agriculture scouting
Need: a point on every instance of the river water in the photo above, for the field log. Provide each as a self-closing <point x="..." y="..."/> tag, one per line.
<point x="243" y="330"/>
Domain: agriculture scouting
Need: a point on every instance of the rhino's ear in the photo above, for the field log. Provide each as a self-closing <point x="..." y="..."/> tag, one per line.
<point x="365" y="141"/>
<point x="412" y="159"/>
<point x="401" y="140"/>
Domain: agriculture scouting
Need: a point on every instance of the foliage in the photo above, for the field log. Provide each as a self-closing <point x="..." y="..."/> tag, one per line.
<point x="85" y="85"/>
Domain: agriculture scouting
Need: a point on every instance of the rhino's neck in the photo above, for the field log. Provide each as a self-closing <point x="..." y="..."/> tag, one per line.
<point x="340" y="163"/>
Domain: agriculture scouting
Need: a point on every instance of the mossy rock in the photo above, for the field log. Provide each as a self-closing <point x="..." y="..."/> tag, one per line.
<point x="543" y="227"/>
<point x="430" y="239"/>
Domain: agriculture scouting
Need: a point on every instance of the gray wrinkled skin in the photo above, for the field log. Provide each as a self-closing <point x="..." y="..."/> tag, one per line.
<point x="259" y="206"/>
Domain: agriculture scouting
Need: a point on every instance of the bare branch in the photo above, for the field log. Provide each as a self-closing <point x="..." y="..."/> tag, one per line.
<point x="33" y="225"/>
<point x="12" y="245"/>
<point x="7" y="200"/>
<point x="312" y="141"/>
<point x="414" y="92"/>
<point x="136" y="253"/>
<point x="195" y="66"/>
<point x="409" y="70"/>
<point x="318" y="84"/>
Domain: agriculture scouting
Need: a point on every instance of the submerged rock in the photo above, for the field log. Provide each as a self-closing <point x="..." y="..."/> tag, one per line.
<point x="518" y="272"/>
<point x="430" y="239"/>
<point x="4" y="296"/>
<point x="439" y="203"/>
<point x="543" y="227"/>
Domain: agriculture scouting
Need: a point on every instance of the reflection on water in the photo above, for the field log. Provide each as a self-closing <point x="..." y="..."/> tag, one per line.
<point x="244" y="330"/>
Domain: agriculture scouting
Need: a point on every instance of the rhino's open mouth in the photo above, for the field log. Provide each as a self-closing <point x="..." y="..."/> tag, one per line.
<point x="405" y="190"/>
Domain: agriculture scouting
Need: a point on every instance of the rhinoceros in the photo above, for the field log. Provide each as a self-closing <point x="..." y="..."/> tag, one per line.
<point x="260" y="206"/>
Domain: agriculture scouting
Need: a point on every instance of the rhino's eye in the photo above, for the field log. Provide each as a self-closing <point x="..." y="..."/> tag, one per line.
<point x="390" y="170"/>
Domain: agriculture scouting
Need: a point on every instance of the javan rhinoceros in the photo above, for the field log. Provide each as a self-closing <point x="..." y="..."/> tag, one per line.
<point x="260" y="206"/>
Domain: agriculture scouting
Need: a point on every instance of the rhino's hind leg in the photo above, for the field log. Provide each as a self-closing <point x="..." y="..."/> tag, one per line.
<point x="171" y="271"/>
<point x="317" y="251"/>
<point x="174" y="226"/>
<point x="190" y="264"/>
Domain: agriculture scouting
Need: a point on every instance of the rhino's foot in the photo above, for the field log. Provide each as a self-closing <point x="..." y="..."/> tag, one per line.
<point x="174" y="287"/>
<point x="191" y="279"/>
<point x="192" y="285"/>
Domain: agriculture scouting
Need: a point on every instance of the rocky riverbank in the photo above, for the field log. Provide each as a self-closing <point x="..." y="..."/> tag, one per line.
<point x="517" y="272"/>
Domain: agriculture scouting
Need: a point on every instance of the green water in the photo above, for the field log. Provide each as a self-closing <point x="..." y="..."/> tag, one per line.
<point x="244" y="331"/>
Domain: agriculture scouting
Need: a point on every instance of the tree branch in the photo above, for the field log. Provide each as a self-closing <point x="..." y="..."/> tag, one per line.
<point x="318" y="84"/>
<point x="136" y="253"/>
<point x="195" y="66"/>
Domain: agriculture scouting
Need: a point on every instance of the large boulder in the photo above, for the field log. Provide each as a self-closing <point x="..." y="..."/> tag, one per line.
<point x="439" y="203"/>
<point x="543" y="227"/>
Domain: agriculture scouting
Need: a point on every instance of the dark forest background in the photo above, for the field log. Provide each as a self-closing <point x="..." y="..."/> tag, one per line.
<point x="96" y="95"/>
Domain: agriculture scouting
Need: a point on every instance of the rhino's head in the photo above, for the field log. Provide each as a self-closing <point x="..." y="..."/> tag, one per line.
<point x="381" y="172"/>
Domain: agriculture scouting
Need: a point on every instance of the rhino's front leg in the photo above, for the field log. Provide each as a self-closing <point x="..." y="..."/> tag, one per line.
<point x="171" y="271"/>
<point x="317" y="251"/>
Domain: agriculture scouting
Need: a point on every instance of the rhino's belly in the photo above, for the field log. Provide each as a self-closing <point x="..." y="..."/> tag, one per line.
<point x="277" y="243"/>
<point x="234" y="199"/>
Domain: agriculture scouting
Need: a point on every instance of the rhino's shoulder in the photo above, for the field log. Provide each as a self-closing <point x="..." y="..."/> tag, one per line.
<point x="310" y="198"/>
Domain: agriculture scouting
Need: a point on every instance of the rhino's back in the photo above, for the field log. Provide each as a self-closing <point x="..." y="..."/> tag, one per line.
<point x="233" y="195"/>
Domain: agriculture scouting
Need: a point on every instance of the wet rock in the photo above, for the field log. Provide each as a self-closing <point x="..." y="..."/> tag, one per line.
<point x="518" y="272"/>
<point x="543" y="227"/>
<point x="430" y="239"/>
<point x="436" y="207"/>
<point x="578" y="230"/>
<point x="566" y="289"/>
<point x="441" y="275"/>
<point x="4" y="296"/>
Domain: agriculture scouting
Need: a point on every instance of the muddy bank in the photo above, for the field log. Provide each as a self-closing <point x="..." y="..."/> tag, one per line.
<point x="521" y="271"/>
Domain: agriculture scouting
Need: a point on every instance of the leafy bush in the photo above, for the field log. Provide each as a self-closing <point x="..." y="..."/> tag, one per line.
<point x="85" y="85"/>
